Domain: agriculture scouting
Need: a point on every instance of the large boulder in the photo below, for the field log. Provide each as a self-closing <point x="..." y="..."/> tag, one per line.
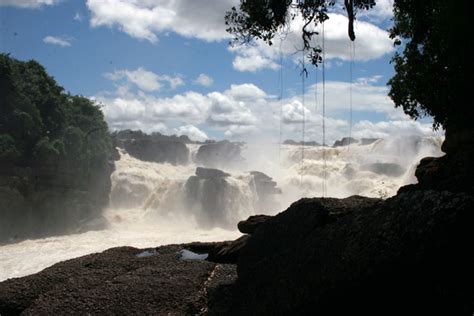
<point x="160" y="151"/>
<point x="216" y="200"/>
<point x="360" y="255"/>
<point x="266" y="190"/>
<point x="208" y="173"/>
<point x="251" y="224"/>
<point x="345" y="141"/>
<point x="386" y="168"/>
<point x="219" y="155"/>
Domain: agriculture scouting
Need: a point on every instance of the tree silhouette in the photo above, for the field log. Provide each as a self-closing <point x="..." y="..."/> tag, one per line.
<point x="431" y="65"/>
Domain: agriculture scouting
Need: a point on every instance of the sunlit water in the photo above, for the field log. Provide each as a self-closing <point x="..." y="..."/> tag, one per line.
<point x="148" y="206"/>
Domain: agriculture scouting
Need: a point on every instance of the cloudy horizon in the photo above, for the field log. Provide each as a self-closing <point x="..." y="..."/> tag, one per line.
<point x="166" y="66"/>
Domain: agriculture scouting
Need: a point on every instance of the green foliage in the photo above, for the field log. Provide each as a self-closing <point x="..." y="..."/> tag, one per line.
<point x="8" y="151"/>
<point x="264" y="19"/>
<point x="431" y="68"/>
<point x="431" y="71"/>
<point x="41" y="125"/>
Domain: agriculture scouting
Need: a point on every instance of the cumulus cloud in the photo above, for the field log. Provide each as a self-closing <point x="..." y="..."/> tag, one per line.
<point x="390" y="128"/>
<point x="372" y="42"/>
<point x="147" y="19"/>
<point x="204" y="80"/>
<point x="77" y="17"/>
<point x="246" y="112"/>
<point x="27" y="4"/>
<point x="144" y="79"/>
<point x="62" y="41"/>
<point x="192" y="132"/>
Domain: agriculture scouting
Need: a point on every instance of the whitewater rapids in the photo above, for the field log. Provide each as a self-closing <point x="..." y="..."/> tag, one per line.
<point x="148" y="200"/>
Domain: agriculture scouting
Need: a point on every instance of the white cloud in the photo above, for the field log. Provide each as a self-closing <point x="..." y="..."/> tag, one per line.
<point x="204" y="19"/>
<point x="204" y="80"/>
<point x="390" y="128"/>
<point x="77" y="17"/>
<point x="246" y="112"/>
<point x="27" y="4"/>
<point x="192" y="132"/>
<point x="147" y="19"/>
<point x="371" y="43"/>
<point x="144" y="79"/>
<point x="382" y="11"/>
<point x="62" y="41"/>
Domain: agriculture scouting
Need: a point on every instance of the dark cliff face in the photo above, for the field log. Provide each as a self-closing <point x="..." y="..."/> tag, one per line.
<point x="153" y="147"/>
<point x="361" y="255"/>
<point x="159" y="151"/>
<point x="54" y="201"/>
<point x="219" y="155"/>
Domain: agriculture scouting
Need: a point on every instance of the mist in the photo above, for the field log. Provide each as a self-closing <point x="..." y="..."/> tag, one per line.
<point x="204" y="196"/>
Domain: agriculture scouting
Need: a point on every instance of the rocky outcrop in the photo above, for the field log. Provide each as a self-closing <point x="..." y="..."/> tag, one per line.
<point x="452" y="172"/>
<point x="368" y="141"/>
<point x="266" y="190"/>
<point x="173" y="152"/>
<point x="206" y="194"/>
<point x="250" y="225"/>
<point x="208" y="173"/>
<point x="122" y="281"/>
<point x="361" y="255"/>
<point x="385" y="168"/>
<point x="306" y="143"/>
<point x="44" y="201"/>
<point x="219" y="155"/>
<point x="220" y="252"/>
<point x="345" y="141"/>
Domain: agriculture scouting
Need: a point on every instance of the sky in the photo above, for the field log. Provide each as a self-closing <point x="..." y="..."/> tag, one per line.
<point x="166" y="66"/>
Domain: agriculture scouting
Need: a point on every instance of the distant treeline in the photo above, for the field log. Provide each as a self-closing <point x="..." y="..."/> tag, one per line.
<point x="128" y="134"/>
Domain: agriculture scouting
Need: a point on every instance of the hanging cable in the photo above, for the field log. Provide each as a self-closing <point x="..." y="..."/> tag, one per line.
<point x="324" y="112"/>
<point x="352" y="53"/>
<point x="303" y="75"/>
<point x="280" y="99"/>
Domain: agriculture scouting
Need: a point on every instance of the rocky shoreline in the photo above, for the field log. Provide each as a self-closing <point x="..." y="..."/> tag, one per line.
<point x="409" y="254"/>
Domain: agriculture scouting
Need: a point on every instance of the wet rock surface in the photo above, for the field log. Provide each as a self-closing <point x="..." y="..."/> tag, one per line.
<point x="220" y="155"/>
<point x="118" y="282"/>
<point x="408" y="253"/>
<point x="252" y="223"/>
<point x="159" y="151"/>
<point x="345" y="141"/>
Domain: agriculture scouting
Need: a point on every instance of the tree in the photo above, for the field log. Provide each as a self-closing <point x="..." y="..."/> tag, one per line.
<point x="431" y="70"/>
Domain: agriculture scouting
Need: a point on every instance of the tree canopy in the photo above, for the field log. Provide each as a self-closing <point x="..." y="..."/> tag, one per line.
<point x="431" y="65"/>
<point x="42" y="125"/>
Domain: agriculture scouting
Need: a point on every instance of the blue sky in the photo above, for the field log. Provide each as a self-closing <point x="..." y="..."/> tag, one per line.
<point x="166" y="66"/>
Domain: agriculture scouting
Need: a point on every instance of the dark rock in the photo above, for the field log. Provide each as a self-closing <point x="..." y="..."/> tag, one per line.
<point x="307" y="143"/>
<point x="127" y="134"/>
<point x="174" y="152"/>
<point x="51" y="200"/>
<point x="388" y="169"/>
<point x="360" y="255"/>
<point x="205" y="198"/>
<point x="345" y="141"/>
<point x="368" y="141"/>
<point x="117" y="282"/>
<point x="219" y="155"/>
<point x="251" y="224"/>
<point x="266" y="190"/>
<point x="220" y="252"/>
<point x="260" y="176"/>
<point x="208" y="173"/>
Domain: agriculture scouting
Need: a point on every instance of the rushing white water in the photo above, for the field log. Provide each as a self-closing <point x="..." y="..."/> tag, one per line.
<point x="155" y="204"/>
